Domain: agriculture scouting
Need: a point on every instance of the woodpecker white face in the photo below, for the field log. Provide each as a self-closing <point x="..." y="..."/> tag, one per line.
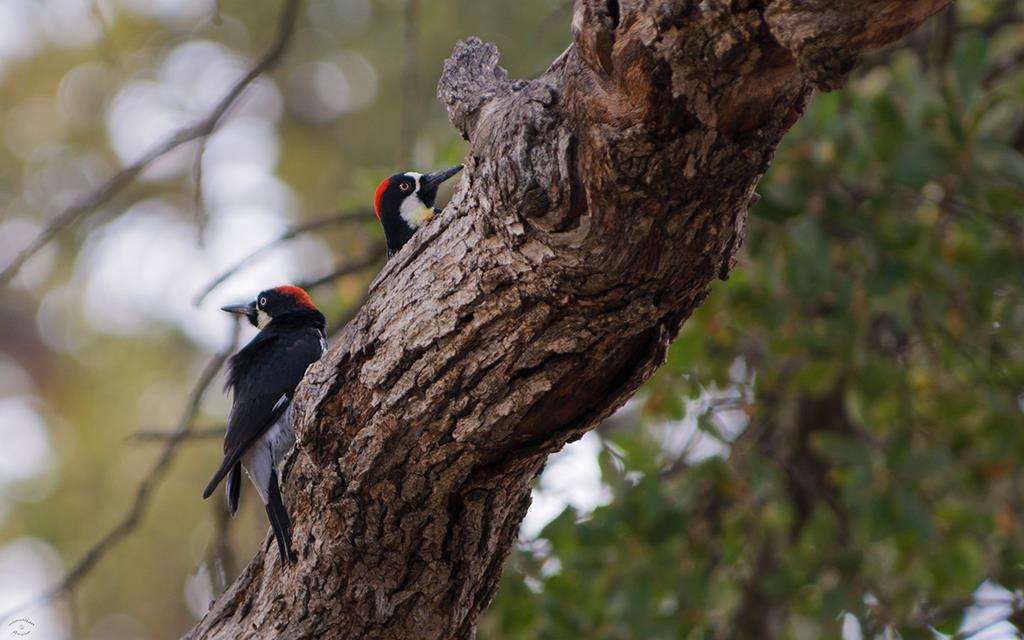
<point x="413" y="209"/>
<point x="405" y="202"/>
<point x="262" y="319"/>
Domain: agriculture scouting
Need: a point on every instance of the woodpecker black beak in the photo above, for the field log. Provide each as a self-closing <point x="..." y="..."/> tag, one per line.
<point x="430" y="182"/>
<point x="247" y="310"/>
<point x="434" y="180"/>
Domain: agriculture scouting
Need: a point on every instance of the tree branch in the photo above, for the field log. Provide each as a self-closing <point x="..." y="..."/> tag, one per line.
<point x="116" y="183"/>
<point x="194" y="435"/>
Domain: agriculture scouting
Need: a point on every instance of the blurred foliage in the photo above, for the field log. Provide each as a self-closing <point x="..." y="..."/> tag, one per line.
<point x="878" y="316"/>
<point x="838" y="430"/>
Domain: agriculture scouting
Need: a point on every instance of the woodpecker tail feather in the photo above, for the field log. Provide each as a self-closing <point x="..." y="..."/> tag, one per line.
<point x="225" y="466"/>
<point x="279" y="521"/>
<point x="234" y="488"/>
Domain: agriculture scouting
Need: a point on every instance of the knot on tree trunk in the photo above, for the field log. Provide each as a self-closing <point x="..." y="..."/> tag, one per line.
<point x="470" y="80"/>
<point x="519" y="140"/>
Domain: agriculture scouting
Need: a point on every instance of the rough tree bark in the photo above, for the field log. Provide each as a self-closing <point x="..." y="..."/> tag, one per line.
<point x="598" y="204"/>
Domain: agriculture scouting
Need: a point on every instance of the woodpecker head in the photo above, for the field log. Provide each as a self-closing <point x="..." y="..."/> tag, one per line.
<point x="405" y="201"/>
<point x="285" y="303"/>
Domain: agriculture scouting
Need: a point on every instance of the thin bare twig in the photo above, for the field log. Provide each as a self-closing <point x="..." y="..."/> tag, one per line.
<point x="124" y="177"/>
<point x="145" y="490"/>
<point x="156" y="435"/>
<point x="338" y="217"/>
<point x="200" y="215"/>
<point x="347" y="268"/>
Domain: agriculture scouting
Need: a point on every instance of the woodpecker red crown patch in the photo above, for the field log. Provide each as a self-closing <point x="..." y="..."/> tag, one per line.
<point x="381" y="188"/>
<point x="297" y="294"/>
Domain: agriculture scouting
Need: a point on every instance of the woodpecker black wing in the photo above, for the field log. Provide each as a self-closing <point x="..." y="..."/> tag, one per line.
<point x="264" y="375"/>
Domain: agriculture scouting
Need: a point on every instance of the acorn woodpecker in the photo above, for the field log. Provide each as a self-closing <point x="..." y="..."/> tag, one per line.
<point x="263" y="376"/>
<point x="405" y="201"/>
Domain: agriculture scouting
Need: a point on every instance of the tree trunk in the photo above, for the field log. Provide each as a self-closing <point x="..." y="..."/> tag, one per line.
<point x="598" y="204"/>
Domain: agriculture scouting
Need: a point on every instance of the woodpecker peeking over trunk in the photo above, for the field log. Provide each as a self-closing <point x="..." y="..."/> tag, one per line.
<point x="405" y="201"/>
<point x="263" y="376"/>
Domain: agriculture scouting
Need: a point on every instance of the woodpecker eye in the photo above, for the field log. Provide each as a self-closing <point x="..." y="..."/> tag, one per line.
<point x="263" y="301"/>
<point x="404" y="186"/>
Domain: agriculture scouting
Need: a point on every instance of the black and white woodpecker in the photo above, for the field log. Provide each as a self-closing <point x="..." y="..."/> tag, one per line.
<point x="263" y="376"/>
<point x="405" y="201"/>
